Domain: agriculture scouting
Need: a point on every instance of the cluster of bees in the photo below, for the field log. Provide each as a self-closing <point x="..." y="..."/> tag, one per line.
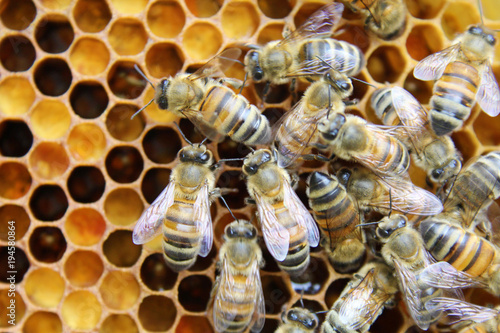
<point x="426" y="246"/>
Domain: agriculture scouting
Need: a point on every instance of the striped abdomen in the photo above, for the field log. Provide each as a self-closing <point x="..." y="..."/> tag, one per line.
<point x="386" y="155"/>
<point x="453" y="97"/>
<point x="231" y="114"/>
<point x="382" y="103"/>
<point x="462" y="249"/>
<point x="181" y="241"/>
<point x="343" y="56"/>
<point x="297" y="258"/>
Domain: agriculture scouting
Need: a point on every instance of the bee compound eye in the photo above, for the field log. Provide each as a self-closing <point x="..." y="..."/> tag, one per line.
<point x="383" y="233"/>
<point x="250" y="169"/>
<point x="436" y="173"/>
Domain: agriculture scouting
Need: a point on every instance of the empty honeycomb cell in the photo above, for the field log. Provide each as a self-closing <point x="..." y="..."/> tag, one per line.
<point x="193" y="324"/>
<point x="239" y="19"/>
<point x="166" y="19"/>
<point x="89" y="56"/>
<point x="425" y="9"/>
<point x="313" y="279"/>
<point x="275" y="94"/>
<point x="119" y="290"/>
<point x="202" y="263"/>
<point x="272" y="31"/>
<point x="91" y="15"/>
<point x="42" y="322"/>
<point x="81" y="310"/>
<point x="157" y="313"/>
<point x="421" y="90"/>
<point x="124" y="81"/>
<point x="389" y="321"/>
<point x="87" y="142"/>
<point x="49" y="160"/>
<point x="123" y="206"/>
<point x="156" y="64"/>
<point x="15" y="312"/>
<point x="276" y="293"/>
<point x="50" y="119"/>
<point x="359" y="88"/>
<point x="44" y="287"/>
<point x="457" y="17"/>
<point x="54" y="33"/>
<point x="15" y="180"/>
<point x="48" y="203"/>
<point x="273" y="114"/>
<point x="124" y="164"/>
<point x="88" y="99"/>
<point x="334" y="290"/>
<point x="276" y="8"/>
<point x="129" y="7"/>
<point x="155" y="180"/>
<point x="231" y="179"/>
<point x="15" y="138"/>
<point x="121" y="126"/>
<point x="17" y="15"/>
<point x="386" y="64"/>
<point x="84" y="226"/>
<point x="53" y="76"/>
<point x="204" y="8"/>
<point x="161" y="144"/>
<point x="119" y="323"/>
<point x="127" y="36"/>
<point x="20" y="262"/>
<point x="17" y="53"/>
<point x="230" y="149"/>
<point x="201" y="40"/>
<point x="467" y="143"/>
<point x="271" y="325"/>
<point x="119" y="249"/>
<point x="86" y="184"/>
<point x="486" y="131"/>
<point x="305" y="11"/>
<point x="55" y="4"/>
<point x="190" y="132"/>
<point x="270" y="264"/>
<point x="16" y="96"/>
<point x="16" y="214"/>
<point x="47" y="244"/>
<point x="156" y="275"/>
<point x="83" y="268"/>
<point x="422" y="41"/>
<point x="194" y="292"/>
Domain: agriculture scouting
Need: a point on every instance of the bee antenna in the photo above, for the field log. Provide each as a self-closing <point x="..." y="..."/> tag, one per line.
<point x="480" y="5"/>
<point x="231" y="159"/>
<point x="301" y="298"/>
<point x="141" y="73"/>
<point x="366" y="224"/>
<point x="251" y="149"/>
<point x="390" y="202"/>
<point x="320" y="312"/>
<point x="139" y="111"/>
<point x="325" y="62"/>
<point x="229" y="209"/>
<point x="373" y="16"/>
<point x="202" y="142"/>
<point x="243" y="84"/>
<point x="362" y="81"/>
<point x="185" y="139"/>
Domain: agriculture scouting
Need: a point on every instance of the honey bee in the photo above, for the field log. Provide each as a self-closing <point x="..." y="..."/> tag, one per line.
<point x="384" y="194"/>
<point x="183" y="209"/>
<point x="464" y="76"/>
<point x="287" y="226"/>
<point x="297" y="54"/>
<point x="351" y="138"/>
<point x="237" y="292"/>
<point x="385" y="18"/>
<point x="212" y="107"/>
<point x="364" y="298"/>
<point x="297" y="128"/>
<point x="436" y="155"/>
<point x="298" y="320"/>
<point x="338" y="217"/>
<point x="404" y="250"/>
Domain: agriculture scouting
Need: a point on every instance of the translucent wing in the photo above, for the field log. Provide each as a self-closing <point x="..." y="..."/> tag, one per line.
<point x="412" y="115"/>
<point x="319" y="25"/>
<point x="260" y="306"/>
<point x="488" y="95"/>
<point x="151" y="219"/>
<point x="301" y="214"/>
<point x="216" y="66"/>
<point x="432" y="67"/>
<point x="224" y="298"/>
<point x="276" y="236"/>
<point x="443" y="275"/>
<point x="203" y="220"/>
<point x="462" y="310"/>
<point x="321" y="66"/>
<point x="196" y="117"/>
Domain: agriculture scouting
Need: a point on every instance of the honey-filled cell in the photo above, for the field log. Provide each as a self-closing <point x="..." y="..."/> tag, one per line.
<point x="420" y="44"/>
<point x="9" y="313"/>
<point x="166" y="18"/>
<point x="457" y="17"/>
<point x="119" y="290"/>
<point x="386" y="64"/>
<point x="13" y="215"/>
<point x="50" y="119"/>
<point x="156" y="64"/>
<point x="239" y="20"/>
<point x="81" y="310"/>
<point x="276" y="8"/>
<point x="91" y="15"/>
<point x="129" y="7"/>
<point x="49" y="160"/>
<point x="201" y="40"/>
<point x="204" y="8"/>
<point x="87" y="142"/>
<point x="55" y="4"/>
<point x="44" y="287"/>
<point x="16" y="95"/>
<point x="89" y="56"/>
<point x="123" y="206"/>
<point x="84" y="226"/>
<point x="127" y="36"/>
<point x="42" y="322"/>
<point x="15" y="180"/>
<point x="194" y="324"/>
<point x="83" y="268"/>
<point x="119" y="323"/>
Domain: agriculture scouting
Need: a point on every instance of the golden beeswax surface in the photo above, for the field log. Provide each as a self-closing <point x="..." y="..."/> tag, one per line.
<point x="76" y="172"/>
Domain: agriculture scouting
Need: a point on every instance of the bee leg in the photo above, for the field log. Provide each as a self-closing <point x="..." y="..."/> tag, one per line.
<point x="265" y="91"/>
<point x="235" y="83"/>
<point x="321" y="158"/>
<point x="351" y="102"/>
<point x="249" y="201"/>
<point x="320" y="146"/>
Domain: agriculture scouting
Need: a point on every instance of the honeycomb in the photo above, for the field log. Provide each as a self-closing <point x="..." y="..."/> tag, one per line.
<point x="76" y="172"/>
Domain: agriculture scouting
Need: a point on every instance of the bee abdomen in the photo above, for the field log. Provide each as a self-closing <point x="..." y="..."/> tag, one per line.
<point x="382" y="103"/>
<point x="237" y="313"/>
<point x="348" y="256"/>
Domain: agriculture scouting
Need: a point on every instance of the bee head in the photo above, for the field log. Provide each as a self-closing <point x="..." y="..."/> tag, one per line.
<point x="343" y="175"/>
<point x="256" y="159"/>
<point x="485" y="34"/>
<point x="451" y="169"/>
<point x="329" y="128"/>
<point x="240" y="229"/>
<point x="339" y="81"/>
<point x="196" y="154"/>
<point x="161" y="96"/>
<point x="307" y="319"/>
<point x="388" y="225"/>
<point x="252" y="62"/>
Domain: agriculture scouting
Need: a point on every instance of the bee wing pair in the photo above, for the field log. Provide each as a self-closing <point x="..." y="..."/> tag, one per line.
<point x="151" y="220"/>
<point x="276" y="236"/>
<point x="432" y="68"/>
<point x="226" y="295"/>
<point x="462" y="310"/>
<point x="444" y="275"/>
